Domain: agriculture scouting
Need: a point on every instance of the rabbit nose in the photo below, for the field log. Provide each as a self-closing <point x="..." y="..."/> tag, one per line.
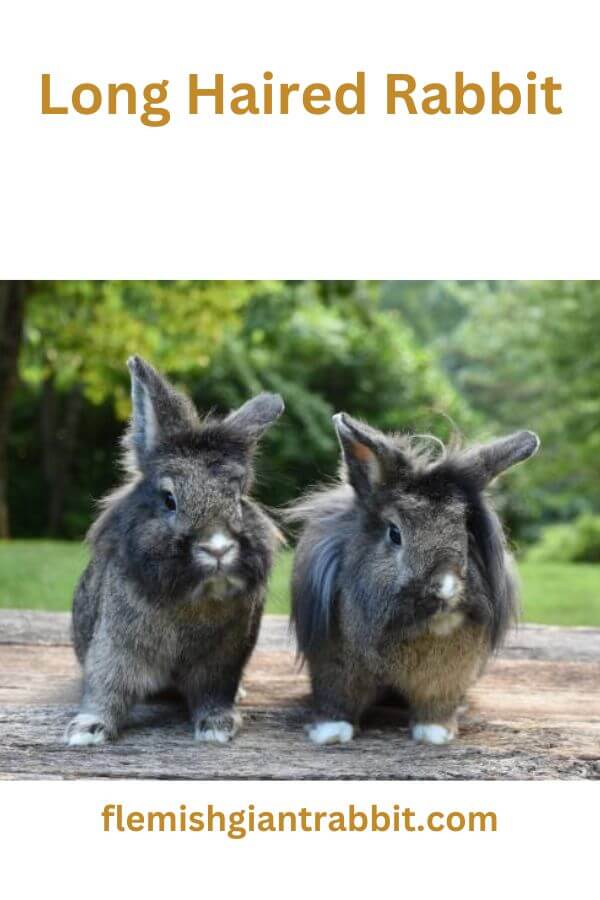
<point x="219" y="545"/>
<point x="447" y="586"/>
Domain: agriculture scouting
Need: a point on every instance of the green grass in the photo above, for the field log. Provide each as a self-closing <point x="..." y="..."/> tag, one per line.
<point x="561" y="593"/>
<point x="42" y="575"/>
<point x="39" y="574"/>
<point x="278" y="598"/>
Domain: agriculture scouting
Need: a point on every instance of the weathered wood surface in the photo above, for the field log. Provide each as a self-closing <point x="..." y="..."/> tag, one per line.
<point x="535" y="714"/>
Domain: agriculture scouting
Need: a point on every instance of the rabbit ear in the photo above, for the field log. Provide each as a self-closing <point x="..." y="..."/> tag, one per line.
<point x="488" y="461"/>
<point x="158" y="409"/>
<point x="369" y="456"/>
<point x="255" y="416"/>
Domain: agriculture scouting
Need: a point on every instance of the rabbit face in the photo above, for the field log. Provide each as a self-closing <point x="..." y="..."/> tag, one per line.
<point x="414" y="523"/>
<point x="187" y="525"/>
<point x="418" y="547"/>
<point x="198" y="510"/>
<point x="406" y="543"/>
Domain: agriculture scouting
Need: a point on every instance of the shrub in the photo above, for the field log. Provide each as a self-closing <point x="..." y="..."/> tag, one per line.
<point x="576" y="541"/>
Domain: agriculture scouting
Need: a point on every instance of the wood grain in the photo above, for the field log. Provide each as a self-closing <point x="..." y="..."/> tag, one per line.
<point x="534" y="714"/>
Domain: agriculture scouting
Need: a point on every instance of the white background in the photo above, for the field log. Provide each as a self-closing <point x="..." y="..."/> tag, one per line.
<point x="298" y="196"/>
<point x="546" y="844"/>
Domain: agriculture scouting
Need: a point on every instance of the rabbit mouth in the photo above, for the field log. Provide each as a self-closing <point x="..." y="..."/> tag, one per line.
<point x="437" y="607"/>
<point x="219" y="586"/>
<point x="211" y="563"/>
<point x="445" y="621"/>
<point x="217" y="552"/>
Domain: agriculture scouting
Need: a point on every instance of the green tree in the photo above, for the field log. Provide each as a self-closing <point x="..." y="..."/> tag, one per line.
<point x="327" y="351"/>
<point x="326" y="346"/>
<point x="526" y="354"/>
<point x="78" y="335"/>
<point x="12" y="312"/>
<point x="433" y="309"/>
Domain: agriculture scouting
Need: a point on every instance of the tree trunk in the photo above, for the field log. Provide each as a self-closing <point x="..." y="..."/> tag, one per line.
<point x="59" y="424"/>
<point x="12" y="311"/>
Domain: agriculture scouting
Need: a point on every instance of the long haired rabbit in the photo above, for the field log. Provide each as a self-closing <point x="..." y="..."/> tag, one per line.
<point x="174" y="591"/>
<point x="402" y="579"/>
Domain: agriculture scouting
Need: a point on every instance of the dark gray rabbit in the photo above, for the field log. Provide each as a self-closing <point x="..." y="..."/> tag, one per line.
<point x="402" y="579"/>
<point x="174" y="591"/>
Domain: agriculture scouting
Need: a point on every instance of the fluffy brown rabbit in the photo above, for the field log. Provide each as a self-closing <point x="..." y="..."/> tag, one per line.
<point x="402" y="579"/>
<point x="174" y="591"/>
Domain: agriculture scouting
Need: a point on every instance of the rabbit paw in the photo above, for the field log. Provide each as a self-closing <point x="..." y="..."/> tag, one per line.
<point x="218" y="728"/>
<point x="86" y="729"/>
<point x="431" y="734"/>
<point x="330" y="732"/>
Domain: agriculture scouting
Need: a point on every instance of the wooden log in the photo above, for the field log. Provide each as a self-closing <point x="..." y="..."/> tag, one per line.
<point x="534" y="714"/>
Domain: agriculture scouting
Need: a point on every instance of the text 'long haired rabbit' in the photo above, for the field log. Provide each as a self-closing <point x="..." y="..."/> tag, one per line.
<point x="401" y="578"/>
<point x="174" y="591"/>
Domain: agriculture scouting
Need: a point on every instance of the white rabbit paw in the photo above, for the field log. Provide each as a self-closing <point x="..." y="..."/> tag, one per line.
<point x="431" y="734"/>
<point x="330" y="732"/>
<point x="85" y="730"/>
<point x="218" y="728"/>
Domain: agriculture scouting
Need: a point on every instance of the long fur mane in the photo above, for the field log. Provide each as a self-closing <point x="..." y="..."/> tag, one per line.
<point x="327" y="515"/>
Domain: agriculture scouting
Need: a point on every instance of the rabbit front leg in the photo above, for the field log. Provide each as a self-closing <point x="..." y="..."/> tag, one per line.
<point x="107" y="698"/>
<point x="340" y="695"/>
<point x="99" y="719"/>
<point x="211" y="697"/>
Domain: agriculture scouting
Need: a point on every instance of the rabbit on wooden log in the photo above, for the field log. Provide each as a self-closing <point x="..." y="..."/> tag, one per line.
<point x="401" y="578"/>
<point x="174" y="592"/>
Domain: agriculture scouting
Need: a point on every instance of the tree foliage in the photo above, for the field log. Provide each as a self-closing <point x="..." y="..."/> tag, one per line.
<point x="526" y="354"/>
<point x="485" y="357"/>
<point x="325" y="346"/>
<point x="325" y="353"/>
<point x="81" y="332"/>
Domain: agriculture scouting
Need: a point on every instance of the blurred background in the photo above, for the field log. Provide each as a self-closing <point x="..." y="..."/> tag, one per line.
<point x="482" y="358"/>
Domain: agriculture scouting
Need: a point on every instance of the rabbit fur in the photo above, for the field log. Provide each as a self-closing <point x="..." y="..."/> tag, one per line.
<point x="180" y="557"/>
<point x="402" y="579"/>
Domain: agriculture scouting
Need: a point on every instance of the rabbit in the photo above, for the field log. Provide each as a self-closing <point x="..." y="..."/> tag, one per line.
<point x="401" y="579"/>
<point x="180" y="556"/>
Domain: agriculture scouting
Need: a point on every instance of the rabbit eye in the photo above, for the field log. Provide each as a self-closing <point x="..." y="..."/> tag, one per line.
<point x="394" y="534"/>
<point x="170" y="501"/>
